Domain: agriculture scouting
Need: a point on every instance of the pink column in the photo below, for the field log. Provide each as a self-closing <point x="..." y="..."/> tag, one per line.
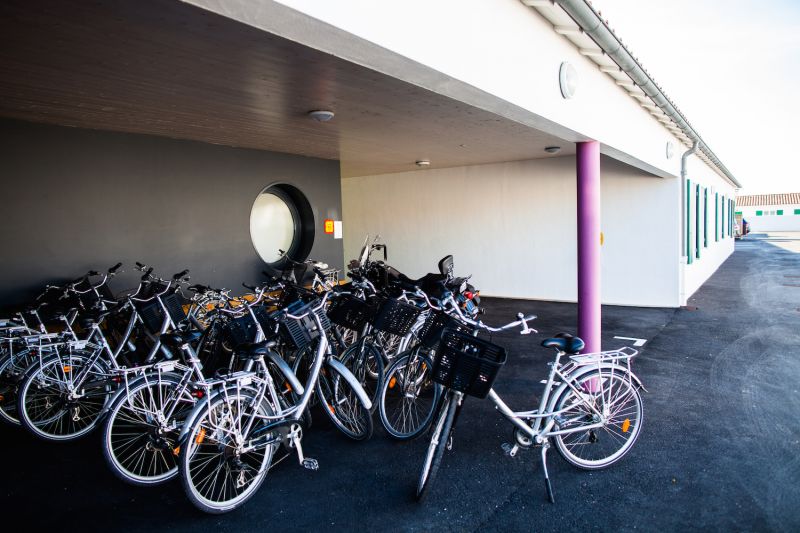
<point x="588" y="159"/>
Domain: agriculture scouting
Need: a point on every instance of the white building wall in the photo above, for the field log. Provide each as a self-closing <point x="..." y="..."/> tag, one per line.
<point x="718" y="249"/>
<point x="513" y="226"/>
<point x="788" y="221"/>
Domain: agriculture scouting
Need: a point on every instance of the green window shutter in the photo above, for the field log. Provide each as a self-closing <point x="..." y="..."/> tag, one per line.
<point x="780" y="211"/>
<point x="797" y="211"/>
<point x="716" y="216"/>
<point x="697" y="221"/>
<point x="738" y="212"/>
<point x="759" y="213"/>
<point x="705" y="218"/>
<point x="689" y="222"/>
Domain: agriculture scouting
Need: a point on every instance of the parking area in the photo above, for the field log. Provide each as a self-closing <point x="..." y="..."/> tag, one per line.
<point x="719" y="448"/>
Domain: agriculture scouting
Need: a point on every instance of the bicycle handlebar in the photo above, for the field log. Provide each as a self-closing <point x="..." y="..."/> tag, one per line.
<point x="523" y="320"/>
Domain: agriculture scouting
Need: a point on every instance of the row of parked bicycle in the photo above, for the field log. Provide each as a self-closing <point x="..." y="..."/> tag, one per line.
<point x="209" y="387"/>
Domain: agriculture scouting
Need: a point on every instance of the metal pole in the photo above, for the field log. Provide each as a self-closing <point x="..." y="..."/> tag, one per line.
<point x="588" y="167"/>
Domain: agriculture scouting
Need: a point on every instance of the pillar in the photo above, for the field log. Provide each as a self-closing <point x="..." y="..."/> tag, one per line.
<point x="588" y="163"/>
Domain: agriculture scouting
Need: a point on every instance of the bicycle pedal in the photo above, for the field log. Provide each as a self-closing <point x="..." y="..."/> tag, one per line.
<point x="310" y="464"/>
<point x="510" y="449"/>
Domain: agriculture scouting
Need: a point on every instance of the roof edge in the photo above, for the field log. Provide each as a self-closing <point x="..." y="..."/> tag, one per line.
<point x="590" y="22"/>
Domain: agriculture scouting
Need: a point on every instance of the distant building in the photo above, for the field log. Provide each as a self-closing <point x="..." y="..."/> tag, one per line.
<point x="770" y="212"/>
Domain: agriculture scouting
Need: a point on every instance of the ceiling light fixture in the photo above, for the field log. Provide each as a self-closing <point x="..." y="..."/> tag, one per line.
<point x="321" y="115"/>
<point x="552" y="149"/>
<point x="422" y="163"/>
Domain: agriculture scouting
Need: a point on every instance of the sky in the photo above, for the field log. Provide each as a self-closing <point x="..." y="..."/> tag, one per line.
<point x="733" y="69"/>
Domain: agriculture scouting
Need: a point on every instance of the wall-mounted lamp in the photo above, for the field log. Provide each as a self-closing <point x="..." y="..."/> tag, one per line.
<point x="423" y="163"/>
<point x="567" y="80"/>
<point x="552" y="149"/>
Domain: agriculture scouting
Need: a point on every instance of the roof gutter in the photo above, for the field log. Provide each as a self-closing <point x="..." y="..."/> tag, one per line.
<point x="590" y="22"/>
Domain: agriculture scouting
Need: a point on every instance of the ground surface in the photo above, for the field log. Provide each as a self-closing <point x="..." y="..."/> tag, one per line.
<point x="720" y="448"/>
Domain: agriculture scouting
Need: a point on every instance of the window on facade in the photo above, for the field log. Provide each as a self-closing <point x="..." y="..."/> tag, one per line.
<point x="716" y="216"/>
<point x="281" y="219"/>
<point x="759" y="212"/>
<point x="779" y="212"/>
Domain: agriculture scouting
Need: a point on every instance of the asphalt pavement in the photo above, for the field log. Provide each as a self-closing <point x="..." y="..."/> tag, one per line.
<point x="719" y="449"/>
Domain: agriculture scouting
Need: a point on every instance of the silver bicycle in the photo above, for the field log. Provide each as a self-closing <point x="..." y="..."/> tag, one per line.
<point x="591" y="407"/>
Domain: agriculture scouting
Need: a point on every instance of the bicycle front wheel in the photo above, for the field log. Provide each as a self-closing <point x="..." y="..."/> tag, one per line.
<point x="619" y="403"/>
<point x="221" y="468"/>
<point x="12" y="371"/>
<point x="439" y="442"/>
<point x="365" y="360"/>
<point x="342" y="404"/>
<point x="49" y="407"/>
<point x="408" y="396"/>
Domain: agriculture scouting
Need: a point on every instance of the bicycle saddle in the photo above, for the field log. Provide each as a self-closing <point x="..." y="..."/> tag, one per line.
<point x="179" y="338"/>
<point x="90" y="317"/>
<point x="569" y="344"/>
<point x="254" y="350"/>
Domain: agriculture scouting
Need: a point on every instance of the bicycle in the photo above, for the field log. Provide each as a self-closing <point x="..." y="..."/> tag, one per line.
<point x="229" y="441"/>
<point x="591" y="406"/>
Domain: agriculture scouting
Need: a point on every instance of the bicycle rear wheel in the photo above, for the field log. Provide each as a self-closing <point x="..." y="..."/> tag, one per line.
<point x="437" y="446"/>
<point x="408" y="396"/>
<point x="140" y="443"/>
<point x="218" y="473"/>
<point x="617" y="399"/>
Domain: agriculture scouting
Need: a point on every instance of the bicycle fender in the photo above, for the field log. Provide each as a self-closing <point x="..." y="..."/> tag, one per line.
<point x="193" y="414"/>
<point x="342" y="370"/>
<point x="287" y="372"/>
<point x="589" y="369"/>
<point x="123" y="389"/>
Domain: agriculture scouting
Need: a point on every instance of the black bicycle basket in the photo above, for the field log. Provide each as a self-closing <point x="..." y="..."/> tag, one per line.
<point x="467" y="364"/>
<point x="241" y="330"/>
<point x="395" y="317"/>
<point x="300" y="333"/>
<point x="350" y="312"/>
<point x="431" y="331"/>
<point x="151" y="315"/>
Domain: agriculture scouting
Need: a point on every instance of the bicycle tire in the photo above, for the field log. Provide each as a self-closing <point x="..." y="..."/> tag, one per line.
<point x="628" y="417"/>
<point x="12" y="371"/>
<point x="131" y="435"/>
<point x="207" y="438"/>
<point x="342" y="405"/>
<point x="365" y="360"/>
<point x="439" y="438"/>
<point x="30" y="399"/>
<point x="408" y="396"/>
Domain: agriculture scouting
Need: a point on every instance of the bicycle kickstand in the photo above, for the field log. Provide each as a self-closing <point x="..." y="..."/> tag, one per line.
<point x="545" y="447"/>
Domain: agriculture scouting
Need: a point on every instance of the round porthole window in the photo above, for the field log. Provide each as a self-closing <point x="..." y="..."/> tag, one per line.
<point x="281" y="219"/>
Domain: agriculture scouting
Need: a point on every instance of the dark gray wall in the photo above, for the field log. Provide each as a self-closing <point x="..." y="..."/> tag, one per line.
<point x="78" y="199"/>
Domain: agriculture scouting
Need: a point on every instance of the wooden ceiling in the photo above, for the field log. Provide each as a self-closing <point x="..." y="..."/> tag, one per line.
<point x="165" y="68"/>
